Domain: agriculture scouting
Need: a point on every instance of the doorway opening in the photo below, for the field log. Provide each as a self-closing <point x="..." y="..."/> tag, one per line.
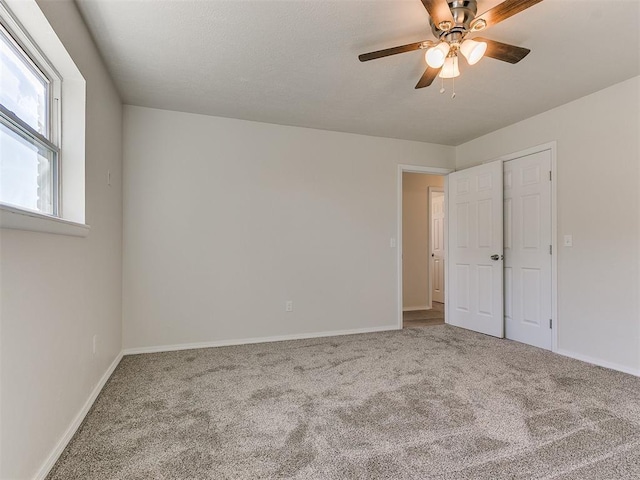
<point x="422" y="248"/>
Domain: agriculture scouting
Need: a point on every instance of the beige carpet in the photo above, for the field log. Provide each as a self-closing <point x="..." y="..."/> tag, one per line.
<point x="423" y="403"/>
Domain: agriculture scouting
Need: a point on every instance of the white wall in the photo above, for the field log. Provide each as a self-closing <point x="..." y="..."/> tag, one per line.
<point x="58" y="291"/>
<point x="225" y="220"/>
<point x="415" y="238"/>
<point x="598" y="142"/>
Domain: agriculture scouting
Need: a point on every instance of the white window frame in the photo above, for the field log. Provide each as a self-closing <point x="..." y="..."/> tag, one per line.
<point x="51" y="140"/>
<point x="31" y="28"/>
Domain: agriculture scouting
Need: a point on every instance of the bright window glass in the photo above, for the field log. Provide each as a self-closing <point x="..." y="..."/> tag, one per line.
<point x="28" y="157"/>
<point x="23" y="89"/>
<point x="26" y="173"/>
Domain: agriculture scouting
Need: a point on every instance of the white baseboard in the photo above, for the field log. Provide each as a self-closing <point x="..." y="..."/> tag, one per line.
<point x="415" y="309"/>
<point x="246" y="341"/>
<point x="75" y="423"/>
<point x="598" y="362"/>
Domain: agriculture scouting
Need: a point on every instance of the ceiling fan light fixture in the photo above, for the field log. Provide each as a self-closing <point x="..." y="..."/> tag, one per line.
<point x="452" y="21"/>
<point x="450" y="68"/>
<point x="473" y="51"/>
<point x="437" y="55"/>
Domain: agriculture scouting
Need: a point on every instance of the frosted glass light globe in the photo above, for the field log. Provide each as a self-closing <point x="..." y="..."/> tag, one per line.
<point x="473" y="51"/>
<point x="437" y="55"/>
<point x="450" y="68"/>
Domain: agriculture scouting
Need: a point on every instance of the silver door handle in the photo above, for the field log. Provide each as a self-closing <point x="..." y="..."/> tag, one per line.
<point x="497" y="257"/>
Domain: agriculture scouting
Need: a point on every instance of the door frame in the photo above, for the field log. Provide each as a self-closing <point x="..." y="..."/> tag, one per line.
<point x="429" y="171"/>
<point x="430" y="190"/>
<point x="552" y="147"/>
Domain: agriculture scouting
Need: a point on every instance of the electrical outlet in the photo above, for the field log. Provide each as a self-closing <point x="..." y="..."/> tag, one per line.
<point x="393" y="243"/>
<point x="288" y="307"/>
<point x="95" y="344"/>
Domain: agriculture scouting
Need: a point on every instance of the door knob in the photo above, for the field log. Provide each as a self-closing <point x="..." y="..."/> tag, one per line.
<point x="495" y="257"/>
<point x="433" y="255"/>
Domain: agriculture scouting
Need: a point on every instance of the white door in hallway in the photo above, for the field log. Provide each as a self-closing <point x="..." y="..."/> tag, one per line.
<point x="475" y="298"/>
<point x="437" y="245"/>
<point x="527" y="249"/>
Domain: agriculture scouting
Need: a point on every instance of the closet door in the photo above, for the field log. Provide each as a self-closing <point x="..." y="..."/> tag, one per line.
<point x="475" y="203"/>
<point x="527" y="249"/>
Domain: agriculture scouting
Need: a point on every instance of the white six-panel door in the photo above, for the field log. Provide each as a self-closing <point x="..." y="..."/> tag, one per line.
<point x="527" y="254"/>
<point x="437" y="245"/>
<point x="475" y="285"/>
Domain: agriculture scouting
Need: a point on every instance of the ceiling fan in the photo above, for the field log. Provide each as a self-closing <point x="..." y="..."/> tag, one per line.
<point x="452" y="21"/>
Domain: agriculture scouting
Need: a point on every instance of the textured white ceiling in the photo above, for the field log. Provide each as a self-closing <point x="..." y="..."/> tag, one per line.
<point x="295" y="62"/>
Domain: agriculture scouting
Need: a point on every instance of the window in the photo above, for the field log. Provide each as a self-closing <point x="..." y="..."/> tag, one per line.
<point x="29" y="133"/>
<point x="42" y="126"/>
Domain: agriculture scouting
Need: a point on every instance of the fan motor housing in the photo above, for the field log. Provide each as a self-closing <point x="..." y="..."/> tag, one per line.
<point x="463" y="12"/>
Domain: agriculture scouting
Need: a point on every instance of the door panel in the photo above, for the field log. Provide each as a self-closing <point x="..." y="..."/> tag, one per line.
<point x="462" y="287"/>
<point x="527" y="236"/>
<point x="476" y="218"/>
<point x="508" y="295"/>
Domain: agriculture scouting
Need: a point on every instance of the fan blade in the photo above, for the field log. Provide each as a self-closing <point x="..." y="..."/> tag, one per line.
<point x="505" y="10"/>
<point x="504" y="51"/>
<point x="365" y="57"/>
<point x="428" y="76"/>
<point x="438" y="11"/>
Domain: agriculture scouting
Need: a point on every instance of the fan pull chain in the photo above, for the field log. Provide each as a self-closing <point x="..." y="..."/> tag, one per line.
<point x="441" y="85"/>
<point x="453" y="80"/>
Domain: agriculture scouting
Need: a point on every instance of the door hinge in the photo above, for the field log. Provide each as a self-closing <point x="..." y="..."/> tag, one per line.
<point x="550" y="249"/>
<point x="549" y="175"/>
<point x="550" y="323"/>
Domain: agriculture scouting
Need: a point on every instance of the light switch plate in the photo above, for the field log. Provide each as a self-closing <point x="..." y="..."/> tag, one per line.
<point x="568" y="240"/>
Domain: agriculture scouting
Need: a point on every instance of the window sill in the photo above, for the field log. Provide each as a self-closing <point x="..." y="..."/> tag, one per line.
<point x="18" y="219"/>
